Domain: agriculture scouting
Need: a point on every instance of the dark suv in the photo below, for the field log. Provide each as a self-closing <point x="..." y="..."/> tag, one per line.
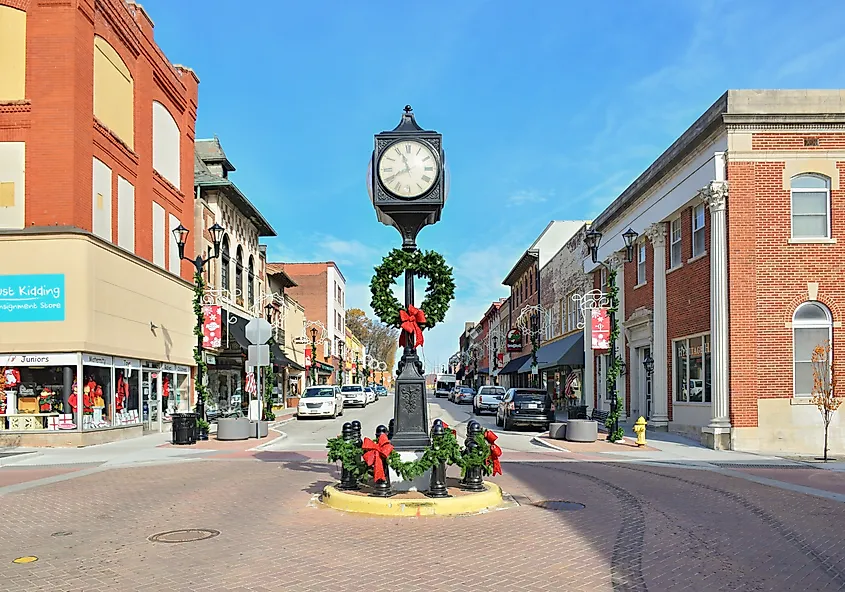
<point x="525" y="406"/>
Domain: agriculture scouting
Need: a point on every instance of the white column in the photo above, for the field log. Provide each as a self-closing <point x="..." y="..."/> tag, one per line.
<point x="716" y="196"/>
<point x="620" y="342"/>
<point x="660" y="379"/>
<point x="588" y="386"/>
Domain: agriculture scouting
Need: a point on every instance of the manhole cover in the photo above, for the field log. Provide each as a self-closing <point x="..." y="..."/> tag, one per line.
<point x="62" y="533"/>
<point x="187" y="535"/>
<point x="560" y="505"/>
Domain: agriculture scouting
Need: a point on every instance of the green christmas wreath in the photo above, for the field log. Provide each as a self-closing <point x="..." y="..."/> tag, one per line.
<point x="430" y="265"/>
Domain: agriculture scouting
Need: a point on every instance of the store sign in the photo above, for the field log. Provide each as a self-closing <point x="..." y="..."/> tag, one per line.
<point x="307" y="357"/>
<point x="127" y="364"/>
<point x="32" y="298"/>
<point x="95" y="360"/>
<point x="600" y="328"/>
<point x="38" y="360"/>
<point x="175" y="368"/>
<point x="514" y="340"/>
<point x="212" y="328"/>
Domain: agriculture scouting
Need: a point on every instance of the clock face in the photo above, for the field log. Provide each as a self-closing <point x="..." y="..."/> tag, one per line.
<point x="408" y="168"/>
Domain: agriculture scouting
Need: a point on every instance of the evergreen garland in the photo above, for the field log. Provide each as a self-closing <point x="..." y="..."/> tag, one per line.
<point x="430" y="265"/>
<point x="615" y="368"/>
<point x="202" y="367"/>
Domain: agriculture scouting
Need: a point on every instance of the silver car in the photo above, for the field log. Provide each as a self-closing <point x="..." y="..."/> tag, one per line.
<point x="487" y="399"/>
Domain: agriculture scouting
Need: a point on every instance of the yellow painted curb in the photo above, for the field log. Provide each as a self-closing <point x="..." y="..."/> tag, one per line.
<point x="469" y="503"/>
<point x="27" y="559"/>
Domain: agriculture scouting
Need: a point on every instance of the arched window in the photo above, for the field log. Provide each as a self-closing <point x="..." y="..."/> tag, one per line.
<point x="812" y="325"/>
<point x="250" y="278"/>
<point x="166" y="148"/>
<point x="114" y="94"/>
<point x="239" y="274"/>
<point x="810" y="206"/>
<point x="224" y="265"/>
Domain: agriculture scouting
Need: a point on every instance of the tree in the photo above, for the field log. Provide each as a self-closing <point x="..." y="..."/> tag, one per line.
<point x="824" y="387"/>
<point x="379" y="339"/>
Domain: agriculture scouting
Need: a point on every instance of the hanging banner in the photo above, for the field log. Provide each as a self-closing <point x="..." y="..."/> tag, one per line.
<point x="514" y="340"/>
<point x="307" y="358"/>
<point x="250" y="383"/>
<point x="211" y="328"/>
<point x="601" y="328"/>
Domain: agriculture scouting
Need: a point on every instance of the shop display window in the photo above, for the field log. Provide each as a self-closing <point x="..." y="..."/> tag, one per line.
<point x="35" y="398"/>
<point x="127" y="396"/>
<point x="96" y="396"/>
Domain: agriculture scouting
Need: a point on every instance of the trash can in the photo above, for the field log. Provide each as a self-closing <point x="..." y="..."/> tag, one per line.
<point x="578" y="412"/>
<point x="184" y="428"/>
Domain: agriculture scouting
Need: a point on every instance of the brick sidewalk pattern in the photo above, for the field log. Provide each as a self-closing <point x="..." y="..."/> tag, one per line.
<point x="643" y="528"/>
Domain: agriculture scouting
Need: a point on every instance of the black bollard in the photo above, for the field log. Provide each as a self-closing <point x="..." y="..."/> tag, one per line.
<point x="474" y="477"/>
<point x="382" y="488"/>
<point x="390" y="426"/>
<point x="356" y="428"/>
<point x="348" y="482"/>
<point x="437" y="485"/>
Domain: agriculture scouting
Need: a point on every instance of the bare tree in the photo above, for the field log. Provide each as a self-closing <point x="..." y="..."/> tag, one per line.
<point x="379" y="339"/>
<point x="824" y="387"/>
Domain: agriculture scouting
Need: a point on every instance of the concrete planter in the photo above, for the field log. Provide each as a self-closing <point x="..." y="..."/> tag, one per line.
<point x="258" y="429"/>
<point x="582" y="430"/>
<point x="233" y="428"/>
<point x="557" y="431"/>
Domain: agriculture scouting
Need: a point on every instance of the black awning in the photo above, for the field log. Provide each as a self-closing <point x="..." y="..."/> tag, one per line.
<point x="568" y="351"/>
<point x="459" y="374"/>
<point x="514" y="365"/>
<point x="278" y="357"/>
<point x="235" y="329"/>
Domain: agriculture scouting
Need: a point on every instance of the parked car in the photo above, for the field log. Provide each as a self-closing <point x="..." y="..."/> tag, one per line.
<point x="465" y="395"/>
<point x="371" y="394"/>
<point x="487" y="399"/>
<point x="444" y="385"/>
<point x="381" y="391"/>
<point x="354" y="394"/>
<point x="525" y="406"/>
<point x="452" y="393"/>
<point x="320" y="401"/>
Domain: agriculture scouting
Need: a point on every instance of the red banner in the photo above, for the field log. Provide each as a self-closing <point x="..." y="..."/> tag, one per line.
<point x="601" y="328"/>
<point x="307" y="357"/>
<point x="212" y="326"/>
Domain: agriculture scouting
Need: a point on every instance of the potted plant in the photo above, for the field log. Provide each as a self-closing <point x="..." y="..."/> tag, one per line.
<point x="202" y="427"/>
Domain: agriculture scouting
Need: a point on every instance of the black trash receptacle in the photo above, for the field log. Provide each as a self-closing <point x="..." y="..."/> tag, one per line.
<point x="184" y="428"/>
<point x="580" y="412"/>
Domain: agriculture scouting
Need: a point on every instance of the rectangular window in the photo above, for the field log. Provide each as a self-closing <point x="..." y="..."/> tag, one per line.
<point x="174" y="263"/>
<point x="101" y="221"/>
<point x="676" y="243"/>
<point x="641" y="262"/>
<point x="125" y="214"/>
<point x="573" y="312"/>
<point x="810" y="206"/>
<point x="158" y="235"/>
<point x="603" y="280"/>
<point x="693" y="370"/>
<point x="698" y="230"/>
<point x="12" y="54"/>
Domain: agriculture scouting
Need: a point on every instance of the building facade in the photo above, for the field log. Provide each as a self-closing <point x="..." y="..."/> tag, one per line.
<point x="735" y="275"/>
<point x="95" y="170"/>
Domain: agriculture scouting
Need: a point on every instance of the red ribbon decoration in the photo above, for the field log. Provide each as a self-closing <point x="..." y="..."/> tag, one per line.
<point x="495" y="452"/>
<point x="446" y="427"/>
<point x="374" y="452"/>
<point x="411" y="321"/>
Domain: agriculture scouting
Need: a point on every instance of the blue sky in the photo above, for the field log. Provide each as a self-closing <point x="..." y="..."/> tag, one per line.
<point x="548" y="109"/>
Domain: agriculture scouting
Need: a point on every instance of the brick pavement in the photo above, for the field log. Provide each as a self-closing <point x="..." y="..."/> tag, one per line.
<point x="643" y="528"/>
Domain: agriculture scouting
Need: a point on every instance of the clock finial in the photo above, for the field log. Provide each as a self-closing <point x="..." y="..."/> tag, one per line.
<point x="409" y="122"/>
<point x="408" y="109"/>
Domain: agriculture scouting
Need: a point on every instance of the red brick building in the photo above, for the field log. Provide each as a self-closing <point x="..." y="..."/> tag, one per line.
<point x="96" y="169"/>
<point x="736" y="274"/>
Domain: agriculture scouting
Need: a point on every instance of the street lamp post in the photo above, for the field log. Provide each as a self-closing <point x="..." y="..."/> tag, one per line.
<point x="593" y="239"/>
<point x="180" y="233"/>
<point x="357" y="365"/>
<point x="340" y="363"/>
<point x="313" y="374"/>
<point x="495" y="365"/>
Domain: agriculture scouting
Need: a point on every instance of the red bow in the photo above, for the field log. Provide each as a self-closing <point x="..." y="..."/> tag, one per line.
<point x="495" y="452"/>
<point x="446" y="427"/>
<point x="411" y="321"/>
<point x="374" y="452"/>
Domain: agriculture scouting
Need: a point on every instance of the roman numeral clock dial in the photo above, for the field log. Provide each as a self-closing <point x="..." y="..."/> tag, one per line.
<point x="408" y="168"/>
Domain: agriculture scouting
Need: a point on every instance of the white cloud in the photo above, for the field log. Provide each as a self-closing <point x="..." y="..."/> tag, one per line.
<point x="521" y="198"/>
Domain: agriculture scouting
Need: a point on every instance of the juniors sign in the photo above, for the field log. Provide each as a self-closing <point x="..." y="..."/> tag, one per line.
<point x="32" y="298"/>
<point x="601" y="328"/>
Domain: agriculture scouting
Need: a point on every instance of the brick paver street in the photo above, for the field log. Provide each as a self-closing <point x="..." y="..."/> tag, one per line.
<point x="643" y="528"/>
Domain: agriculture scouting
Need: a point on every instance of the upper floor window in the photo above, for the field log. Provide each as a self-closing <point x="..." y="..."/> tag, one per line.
<point x="810" y="206"/>
<point x="224" y="266"/>
<point x="572" y="315"/>
<point x="12" y="54"/>
<point x="250" y="286"/>
<point x="114" y="95"/>
<point x="166" y="150"/>
<point x="698" y="245"/>
<point x="239" y="275"/>
<point x="641" y="277"/>
<point x="812" y="326"/>
<point x="675" y="254"/>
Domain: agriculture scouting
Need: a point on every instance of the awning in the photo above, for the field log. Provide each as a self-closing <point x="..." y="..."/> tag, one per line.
<point x="236" y="330"/>
<point x="459" y="374"/>
<point x="323" y="368"/>
<point x="484" y="371"/>
<point x="278" y="357"/>
<point x="568" y="351"/>
<point x="514" y="364"/>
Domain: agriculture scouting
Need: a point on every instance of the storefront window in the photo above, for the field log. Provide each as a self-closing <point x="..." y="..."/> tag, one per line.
<point x="96" y="394"/>
<point x="35" y="397"/>
<point x="127" y="392"/>
<point x="175" y="390"/>
<point x="693" y="370"/>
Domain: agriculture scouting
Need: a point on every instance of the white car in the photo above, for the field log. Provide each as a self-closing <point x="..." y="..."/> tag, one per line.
<point x="320" y="401"/>
<point x="372" y="397"/>
<point x="354" y="394"/>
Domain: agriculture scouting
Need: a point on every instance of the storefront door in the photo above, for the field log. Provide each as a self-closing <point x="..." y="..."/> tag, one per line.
<point x="644" y="386"/>
<point x="151" y="399"/>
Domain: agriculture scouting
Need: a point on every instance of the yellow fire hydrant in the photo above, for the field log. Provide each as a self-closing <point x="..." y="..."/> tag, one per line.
<point x="639" y="430"/>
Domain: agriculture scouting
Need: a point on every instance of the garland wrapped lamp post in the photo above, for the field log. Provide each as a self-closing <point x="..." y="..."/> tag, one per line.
<point x="313" y="374"/>
<point x="180" y="233"/>
<point x="593" y="239"/>
<point x="408" y="183"/>
<point x="340" y="362"/>
<point x="357" y="363"/>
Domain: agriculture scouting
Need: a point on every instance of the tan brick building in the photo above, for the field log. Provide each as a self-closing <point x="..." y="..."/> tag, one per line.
<point x="96" y="169"/>
<point x="737" y="272"/>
